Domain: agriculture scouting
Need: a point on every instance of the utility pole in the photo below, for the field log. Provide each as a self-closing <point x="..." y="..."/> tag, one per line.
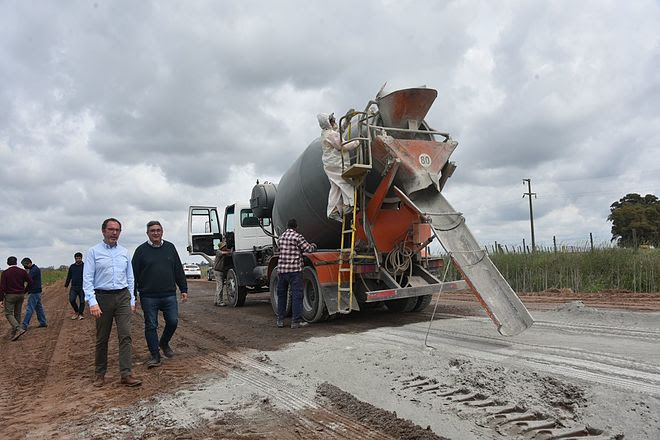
<point x="529" y="194"/>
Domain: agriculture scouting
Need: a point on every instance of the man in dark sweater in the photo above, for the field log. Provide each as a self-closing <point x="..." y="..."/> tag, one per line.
<point x="34" y="295"/>
<point x="76" y="293"/>
<point x="14" y="283"/>
<point x="158" y="271"/>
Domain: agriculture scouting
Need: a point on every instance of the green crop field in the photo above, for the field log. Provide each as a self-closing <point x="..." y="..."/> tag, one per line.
<point x="590" y="271"/>
<point x="584" y="271"/>
<point x="50" y="275"/>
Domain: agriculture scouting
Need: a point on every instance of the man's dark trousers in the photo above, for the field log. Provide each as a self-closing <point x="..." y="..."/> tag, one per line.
<point x="115" y="306"/>
<point x="151" y="305"/>
<point x="77" y="295"/>
<point x="284" y="280"/>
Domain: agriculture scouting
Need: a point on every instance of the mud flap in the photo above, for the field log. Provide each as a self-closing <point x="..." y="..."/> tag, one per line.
<point x="493" y="292"/>
<point x="330" y="297"/>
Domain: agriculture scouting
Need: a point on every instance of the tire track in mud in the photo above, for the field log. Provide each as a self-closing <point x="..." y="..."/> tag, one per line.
<point x="603" y="368"/>
<point x="640" y="333"/>
<point x="47" y="374"/>
<point x="601" y="330"/>
<point x="509" y="419"/>
<point x="26" y="364"/>
<point x="304" y="417"/>
<point x="309" y="414"/>
<point x="210" y="352"/>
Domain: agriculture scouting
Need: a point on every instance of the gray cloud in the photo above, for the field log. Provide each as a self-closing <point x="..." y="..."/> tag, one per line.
<point x="139" y="109"/>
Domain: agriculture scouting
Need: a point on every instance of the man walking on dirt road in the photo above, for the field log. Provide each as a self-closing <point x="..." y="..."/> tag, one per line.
<point x="289" y="270"/>
<point x="76" y="294"/>
<point x="14" y="283"/>
<point x="108" y="285"/>
<point x="34" y="295"/>
<point x="158" y="271"/>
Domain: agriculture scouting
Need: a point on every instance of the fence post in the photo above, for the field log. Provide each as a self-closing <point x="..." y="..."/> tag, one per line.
<point x="591" y="240"/>
<point x="525" y="246"/>
<point x="554" y="243"/>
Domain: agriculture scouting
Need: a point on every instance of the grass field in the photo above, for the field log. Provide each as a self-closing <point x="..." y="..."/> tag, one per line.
<point x="50" y="275"/>
<point x="601" y="269"/>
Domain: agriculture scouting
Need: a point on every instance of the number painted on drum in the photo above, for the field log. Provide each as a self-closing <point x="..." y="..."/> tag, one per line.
<point x="425" y="160"/>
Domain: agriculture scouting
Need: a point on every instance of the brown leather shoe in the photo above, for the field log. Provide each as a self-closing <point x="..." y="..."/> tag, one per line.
<point x="99" y="381"/>
<point x="130" y="381"/>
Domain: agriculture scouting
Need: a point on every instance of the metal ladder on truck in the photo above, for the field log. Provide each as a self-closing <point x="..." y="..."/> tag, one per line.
<point x="354" y="173"/>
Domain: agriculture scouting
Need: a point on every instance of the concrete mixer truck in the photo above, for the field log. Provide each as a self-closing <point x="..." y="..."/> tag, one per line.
<point x="379" y="252"/>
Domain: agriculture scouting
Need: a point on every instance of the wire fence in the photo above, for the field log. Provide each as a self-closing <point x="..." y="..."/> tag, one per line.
<point x="577" y="266"/>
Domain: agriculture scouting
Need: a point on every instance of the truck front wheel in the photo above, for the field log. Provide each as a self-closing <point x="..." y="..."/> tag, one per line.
<point x="235" y="294"/>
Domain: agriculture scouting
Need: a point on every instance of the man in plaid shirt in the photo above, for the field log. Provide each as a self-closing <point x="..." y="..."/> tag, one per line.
<point x="289" y="269"/>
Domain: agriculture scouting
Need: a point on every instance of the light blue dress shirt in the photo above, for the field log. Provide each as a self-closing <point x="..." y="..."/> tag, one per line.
<point x="107" y="268"/>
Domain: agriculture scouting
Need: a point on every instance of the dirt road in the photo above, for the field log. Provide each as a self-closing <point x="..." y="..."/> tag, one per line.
<point x="589" y="371"/>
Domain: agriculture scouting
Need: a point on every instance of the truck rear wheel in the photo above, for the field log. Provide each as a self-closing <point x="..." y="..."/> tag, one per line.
<point x="235" y="294"/>
<point x="272" y="287"/>
<point x="401" y="305"/>
<point x="313" y="307"/>
<point x="422" y="303"/>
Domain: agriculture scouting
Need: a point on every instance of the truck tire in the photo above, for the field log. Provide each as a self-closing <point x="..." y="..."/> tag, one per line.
<point x="313" y="307"/>
<point x="235" y="294"/>
<point x="272" y="287"/>
<point x="422" y="303"/>
<point x="401" y="305"/>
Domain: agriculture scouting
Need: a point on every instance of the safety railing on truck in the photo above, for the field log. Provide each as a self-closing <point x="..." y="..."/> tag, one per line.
<point x="361" y="162"/>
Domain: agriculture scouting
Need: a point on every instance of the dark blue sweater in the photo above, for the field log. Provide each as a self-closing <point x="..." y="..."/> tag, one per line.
<point x="158" y="271"/>
<point x="74" y="275"/>
<point x="35" y="274"/>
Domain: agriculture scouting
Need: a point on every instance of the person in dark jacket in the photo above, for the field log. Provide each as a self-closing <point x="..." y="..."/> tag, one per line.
<point x="34" y="295"/>
<point x="219" y="274"/>
<point x="76" y="294"/>
<point x="14" y="283"/>
<point x="158" y="271"/>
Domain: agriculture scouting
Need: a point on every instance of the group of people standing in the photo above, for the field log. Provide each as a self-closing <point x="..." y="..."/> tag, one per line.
<point x="15" y="283"/>
<point x="109" y="281"/>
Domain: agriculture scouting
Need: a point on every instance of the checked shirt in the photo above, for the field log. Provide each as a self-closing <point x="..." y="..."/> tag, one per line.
<point x="292" y="245"/>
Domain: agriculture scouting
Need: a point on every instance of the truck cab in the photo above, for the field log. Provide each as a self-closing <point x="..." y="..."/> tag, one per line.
<point x="248" y="243"/>
<point x="242" y="228"/>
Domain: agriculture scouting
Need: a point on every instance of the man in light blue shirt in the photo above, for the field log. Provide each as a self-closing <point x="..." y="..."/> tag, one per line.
<point x="108" y="285"/>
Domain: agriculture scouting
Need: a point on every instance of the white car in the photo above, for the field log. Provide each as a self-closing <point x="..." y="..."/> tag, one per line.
<point x="192" y="271"/>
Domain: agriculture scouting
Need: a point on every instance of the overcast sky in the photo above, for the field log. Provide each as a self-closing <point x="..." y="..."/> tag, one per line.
<point x="138" y="109"/>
